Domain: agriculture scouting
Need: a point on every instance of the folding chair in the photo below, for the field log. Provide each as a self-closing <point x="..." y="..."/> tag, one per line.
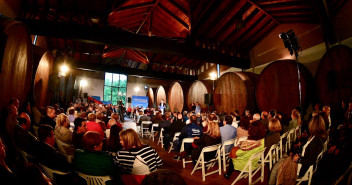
<point x="280" y="147"/>
<point x="238" y="140"/>
<point x="272" y="156"/>
<point x="177" y="134"/>
<point x="224" y="154"/>
<point x="50" y="172"/>
<point x="153" y="131"/>
<point x="94" y="180"/>
<point x="320" y="156"/>
<point x="290" y="138"/>
<point x="145" y="130"/>
<point x="161" y="138"/>
<point x="249" y="171"/>
<point x="201" y="163"/>
<point x="185" y="141"/>
<point x="297" y="131"/>
<point x="66" y="149"/>
<point x="307" y="176"/>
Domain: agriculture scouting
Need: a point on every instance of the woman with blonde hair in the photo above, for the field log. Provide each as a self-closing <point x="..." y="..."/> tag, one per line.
<point x="136" y="158"/>
<point x="296" y="119"/>
<point x="210" y="137"/>
<point x="62" y="129"/>
<point x="114" y="121"/>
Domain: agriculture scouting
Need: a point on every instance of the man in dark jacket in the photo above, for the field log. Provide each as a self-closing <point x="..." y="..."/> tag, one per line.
<point x="49" y="118"/>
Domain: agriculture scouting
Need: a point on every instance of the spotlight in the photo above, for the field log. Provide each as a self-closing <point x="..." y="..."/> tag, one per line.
<point x="212" y="75"/>
<point x="136" y="89"/>
<point x="63" y="70"/>
<point x="146" y="87"/>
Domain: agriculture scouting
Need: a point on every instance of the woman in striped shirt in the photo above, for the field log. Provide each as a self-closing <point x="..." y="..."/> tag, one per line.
<point x="136" y="158"/>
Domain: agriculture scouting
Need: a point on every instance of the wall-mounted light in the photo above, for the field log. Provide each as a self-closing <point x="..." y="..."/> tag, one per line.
<point x="136" y="89"/>
<point x="83" y="83"/>
<point x="63" y="70"/>
<point x="212" y="76"/>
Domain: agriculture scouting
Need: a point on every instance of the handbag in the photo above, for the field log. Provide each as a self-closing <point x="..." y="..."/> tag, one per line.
<point x="233" y="151"/>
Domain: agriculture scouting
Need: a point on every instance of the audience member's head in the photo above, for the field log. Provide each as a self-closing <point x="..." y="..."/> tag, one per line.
<point x="46" y="134"/>
<point x="115" y="116"/>
<point x="256" y="117"/>
<point x="193" y="119"/>
<point x="80" y="125"/>
<point x="92" y="141"/>
<point x="274" y="125"/>
<point x="62" y="120"/>
<point x="12" y="111"/>
<point x="15" y="102"/>
<point x="264" y="115"/>
<point x="92" y="117"/>
<point x="129" y="139"/>
<point x="228" y="120"/>
<point x="71" y="111"/>
<point x="145" y="111"/>
<point x="327" y="110"/>
<point x="163" y="176"/>
<point x="100" y="116"/>
<point x="316" y="127"/>
<point x="179" y="116"/>
<point x="256" y="131"/>
<point x="244" y="123"/>
<point x="27" y="124"/>
<point x="213" y="129"/>
<point x="272" y="114"/>
<point x="50" y="111"/>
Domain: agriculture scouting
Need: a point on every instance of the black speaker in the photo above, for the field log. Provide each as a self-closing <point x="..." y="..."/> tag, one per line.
<point x="85" y="95"/>
<point x="129" y="100"/>
<point x="208" y="99"/>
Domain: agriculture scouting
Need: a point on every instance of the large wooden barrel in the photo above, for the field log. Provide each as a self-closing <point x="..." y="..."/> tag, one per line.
<point x="150" y="94"/>
<point x="175" y="97"/>
<point x="196" y="93"/>
<point x="160" y="95"/>
<point x="334" y="77"/>
<point x="235" y="91"/>
<point x="16" y="66"/>
<point x="278" y="87"/>
<point x="41" y="80"/>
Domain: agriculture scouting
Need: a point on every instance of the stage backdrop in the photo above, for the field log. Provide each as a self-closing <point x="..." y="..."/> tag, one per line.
<point x="140" y="101"/>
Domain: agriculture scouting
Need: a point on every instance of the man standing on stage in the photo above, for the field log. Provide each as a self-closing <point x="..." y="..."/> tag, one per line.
<point x="162" y="106"/>
<point x="121" y="110"/>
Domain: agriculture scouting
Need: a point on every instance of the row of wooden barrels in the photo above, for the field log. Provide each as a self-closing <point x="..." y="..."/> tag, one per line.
<point x="277" y="87"/>
<point x="26" y="71"/>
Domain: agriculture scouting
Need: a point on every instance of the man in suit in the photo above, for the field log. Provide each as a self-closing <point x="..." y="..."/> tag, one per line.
<point x="162" y="106"/>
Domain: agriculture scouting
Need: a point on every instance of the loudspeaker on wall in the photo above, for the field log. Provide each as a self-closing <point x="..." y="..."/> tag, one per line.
<point x="208" y="99"/>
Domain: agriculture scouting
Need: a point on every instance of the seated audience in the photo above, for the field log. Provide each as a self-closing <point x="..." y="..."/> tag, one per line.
<point x="114" y="121"/>
<point x="93" y="161"/>
<point x="165" y="124"/>
<point x="242" y="130"/>
<point x="191" y="130"/>
<point x="296" y="119"/>
<point x="24" y="140"/>
<point x="264" y="120"/>
<point x="136" y="158"/>
<point x="6" y="174"/>
<point x="273" y="136"/>
<point x="244" y="150"/>
<point x="113" y="142"/>
<point x="209" y="138"/>
<point x="78" y="132"/>
<point x="48" y="119"/>
<point x="45" y="151"/>
<point x="227" y="132"/>
<point x="71" y="117"/>
<point x="177" y="125"/>
<point x="94" y="126"/>
<point x="62" y="129"/>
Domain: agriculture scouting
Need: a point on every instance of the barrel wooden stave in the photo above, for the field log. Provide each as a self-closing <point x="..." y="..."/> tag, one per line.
<point x="175" y="97"/>
<point x="278" y="88"/>
<point x="196" y="93"/>
<point x="333" y="78"/>
<point x="234" y="91"/>
<point x="151" y="98"/>
<point x="41" y="80"/>
<point x="17" y="64"/>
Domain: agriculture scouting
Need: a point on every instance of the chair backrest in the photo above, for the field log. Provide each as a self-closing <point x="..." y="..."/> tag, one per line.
<point x="238" y="140"/>
<point x="227" y="143"/>
<point x="50" y="172"/>
<point x="94" y="180"/>
<point x="161" y="132"/>
<point x="64" y="148"/>
<point x="177" y="134"/>
<point x="271" y="150"/>
<point x="155" y="125"/>
<point x="146" y="122"/>
<point x="186" y="140"/>
<point x="259" y="155"/>
<point x="211" y="148"/>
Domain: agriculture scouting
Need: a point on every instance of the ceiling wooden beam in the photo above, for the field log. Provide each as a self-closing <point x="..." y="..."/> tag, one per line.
<point x="111" y="36"/>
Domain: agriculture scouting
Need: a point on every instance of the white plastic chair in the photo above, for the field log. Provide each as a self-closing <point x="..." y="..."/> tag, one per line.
<point x="50" y="172"/>
<point x="224" y="154"/>
<point x="66" y="149"/>
<point x="280" y="147"/>
<point x="307" y="176"/>
<point x="185" y="141"/>
<point x="238" y="140"/>
<point x="153" y="131"/>
<point x="161" y="138"/>
<point x="94" y="180"/>
<point x="249" y="171"/>
<point x="201" y="163"/>
<point x="272" y="156"/>
<point x="144" y="129"/>
<point x="290" y="138"/>
<point x="177" y="134"/>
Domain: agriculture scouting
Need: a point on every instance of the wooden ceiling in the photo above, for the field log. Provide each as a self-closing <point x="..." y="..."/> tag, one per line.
<point x="226" y="27"/>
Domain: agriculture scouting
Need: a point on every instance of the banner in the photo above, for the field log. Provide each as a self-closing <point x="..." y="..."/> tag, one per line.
<point x="140" y="101"/>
